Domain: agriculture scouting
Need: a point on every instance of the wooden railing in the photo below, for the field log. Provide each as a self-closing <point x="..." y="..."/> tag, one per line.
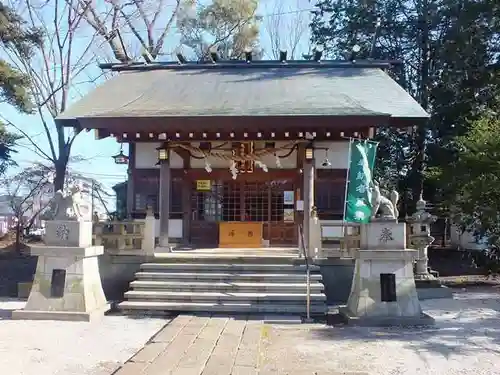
<point x="339" y="240"/>
<point x="119" y="235"/>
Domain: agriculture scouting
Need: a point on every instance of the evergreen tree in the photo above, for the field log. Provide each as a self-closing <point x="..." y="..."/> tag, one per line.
<point x="472" y="179"/>
<point x="14" y="86"/>
<point x="447" y="47"/>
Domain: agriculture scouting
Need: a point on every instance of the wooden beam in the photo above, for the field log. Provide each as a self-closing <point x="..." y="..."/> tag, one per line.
<point x="238" y="124"/>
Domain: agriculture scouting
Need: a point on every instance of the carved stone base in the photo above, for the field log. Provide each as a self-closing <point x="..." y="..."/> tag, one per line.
<point x="386" y="321"/>
<point x="369" y="303"/>
<point x="431" y="288"/>
<point x="67" y="285"/>
<point x="383" y="235"/>
<point x="68" y="233"/>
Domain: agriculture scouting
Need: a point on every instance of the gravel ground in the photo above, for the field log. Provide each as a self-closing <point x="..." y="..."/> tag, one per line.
<point x="69" y="348"/>
<point x="465" y="341"/>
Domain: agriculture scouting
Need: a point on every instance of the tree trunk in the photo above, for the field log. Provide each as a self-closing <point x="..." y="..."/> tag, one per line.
<point x="18" y="236"/>
<point x="60" y="167"/>
<point x="419" y="166"/>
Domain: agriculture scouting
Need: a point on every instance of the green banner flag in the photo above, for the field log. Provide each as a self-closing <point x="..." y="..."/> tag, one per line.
<point x="358" y="206"/>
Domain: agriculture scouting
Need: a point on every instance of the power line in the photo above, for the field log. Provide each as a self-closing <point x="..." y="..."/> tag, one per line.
<point x="91" y="174"/>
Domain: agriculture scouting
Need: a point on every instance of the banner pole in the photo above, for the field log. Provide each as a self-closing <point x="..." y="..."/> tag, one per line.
<point x="346" y="186"/>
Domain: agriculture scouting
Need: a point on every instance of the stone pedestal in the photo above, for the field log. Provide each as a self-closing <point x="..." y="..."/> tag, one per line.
<point x="314" y="237"/>
<point x="383" y="291"/>
<point x="67" y="283"/>
<point x="422" y="264"/>
<point x="428" y="285"/>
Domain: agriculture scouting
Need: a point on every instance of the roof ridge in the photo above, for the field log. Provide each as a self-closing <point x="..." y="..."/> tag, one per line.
<point x="261" y="64"/>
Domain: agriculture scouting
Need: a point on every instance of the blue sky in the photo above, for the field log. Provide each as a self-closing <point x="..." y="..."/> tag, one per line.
<point x="100" y="164"/>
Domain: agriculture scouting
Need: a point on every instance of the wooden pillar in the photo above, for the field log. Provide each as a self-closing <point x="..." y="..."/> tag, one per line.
<point x="130" y="179"/>
<point x="187" y="186"/>
<point x="309" y="175"/>
<point x="130" y="193"/>
<point x="165" y="181"/>
<point x="299" y="186"/>
<point x="187" y="210"/>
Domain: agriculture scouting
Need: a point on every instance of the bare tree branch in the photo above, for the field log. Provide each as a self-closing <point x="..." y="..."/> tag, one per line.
<point x="28" y="138"/>
<point x="52" y="70"/>
<point x="114" y="18"/>
<point x="161" y="39"/>
<point x="286" y="29"/>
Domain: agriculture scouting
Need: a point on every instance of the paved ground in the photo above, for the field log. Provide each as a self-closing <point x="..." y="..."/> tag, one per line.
<point x="465" y="341"/>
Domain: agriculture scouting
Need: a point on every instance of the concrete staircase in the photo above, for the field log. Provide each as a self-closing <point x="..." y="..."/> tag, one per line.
<point x="225" y="283"/>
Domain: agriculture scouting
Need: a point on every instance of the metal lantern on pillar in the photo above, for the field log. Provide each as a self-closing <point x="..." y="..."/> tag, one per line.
<point x="309" y="152"/>
<point x="162" y="152"/>
<point x="121" y="158"/>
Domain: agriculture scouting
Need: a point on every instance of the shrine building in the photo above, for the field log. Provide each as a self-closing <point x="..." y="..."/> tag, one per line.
<point x="232" y="153"/>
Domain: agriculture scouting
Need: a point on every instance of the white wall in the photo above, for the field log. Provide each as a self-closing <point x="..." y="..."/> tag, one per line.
<point x="146" y="157"/>
<point x="337" y="153"/>
<point x="174" y="228"/>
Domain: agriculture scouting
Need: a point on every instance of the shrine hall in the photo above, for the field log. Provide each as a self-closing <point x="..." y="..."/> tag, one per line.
<point x="237" y="154"/>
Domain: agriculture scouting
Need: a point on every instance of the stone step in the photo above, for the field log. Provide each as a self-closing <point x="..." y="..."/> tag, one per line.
<point x="151" y="306"/>
<point x="197" y="258"/>
<point x="222" y="267"/>
<point x="253" y="298"/>
<point x="193" y="286"/>
<point x="216" y="276"/>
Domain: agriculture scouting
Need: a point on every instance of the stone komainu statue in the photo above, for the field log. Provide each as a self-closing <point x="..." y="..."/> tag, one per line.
<point x="388" y="207"/>
<point x="68" y="206"/>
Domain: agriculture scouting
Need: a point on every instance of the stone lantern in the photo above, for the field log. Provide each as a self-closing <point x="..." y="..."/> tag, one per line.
<point x="420" y="238"/>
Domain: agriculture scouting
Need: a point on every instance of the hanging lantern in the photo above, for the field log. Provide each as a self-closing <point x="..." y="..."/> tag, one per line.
<point x="121" y="158"/>
<point x="309" y="152"/>
<point x="162" y="152"/>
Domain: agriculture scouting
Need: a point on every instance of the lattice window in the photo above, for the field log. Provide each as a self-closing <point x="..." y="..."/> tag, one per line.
<point x="279" y="209"/>
<point x="207" y="205"/>
<point x="244" y="201"/>
<point x="256" y="197"/>
<point x="147" y="194"/>
<point x="231" y="201"/>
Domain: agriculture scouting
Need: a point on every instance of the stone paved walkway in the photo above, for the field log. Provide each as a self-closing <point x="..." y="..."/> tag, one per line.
<point x="200" y="345"/>
<point x="465" y="341"/>
<point x="194" y="345"/>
